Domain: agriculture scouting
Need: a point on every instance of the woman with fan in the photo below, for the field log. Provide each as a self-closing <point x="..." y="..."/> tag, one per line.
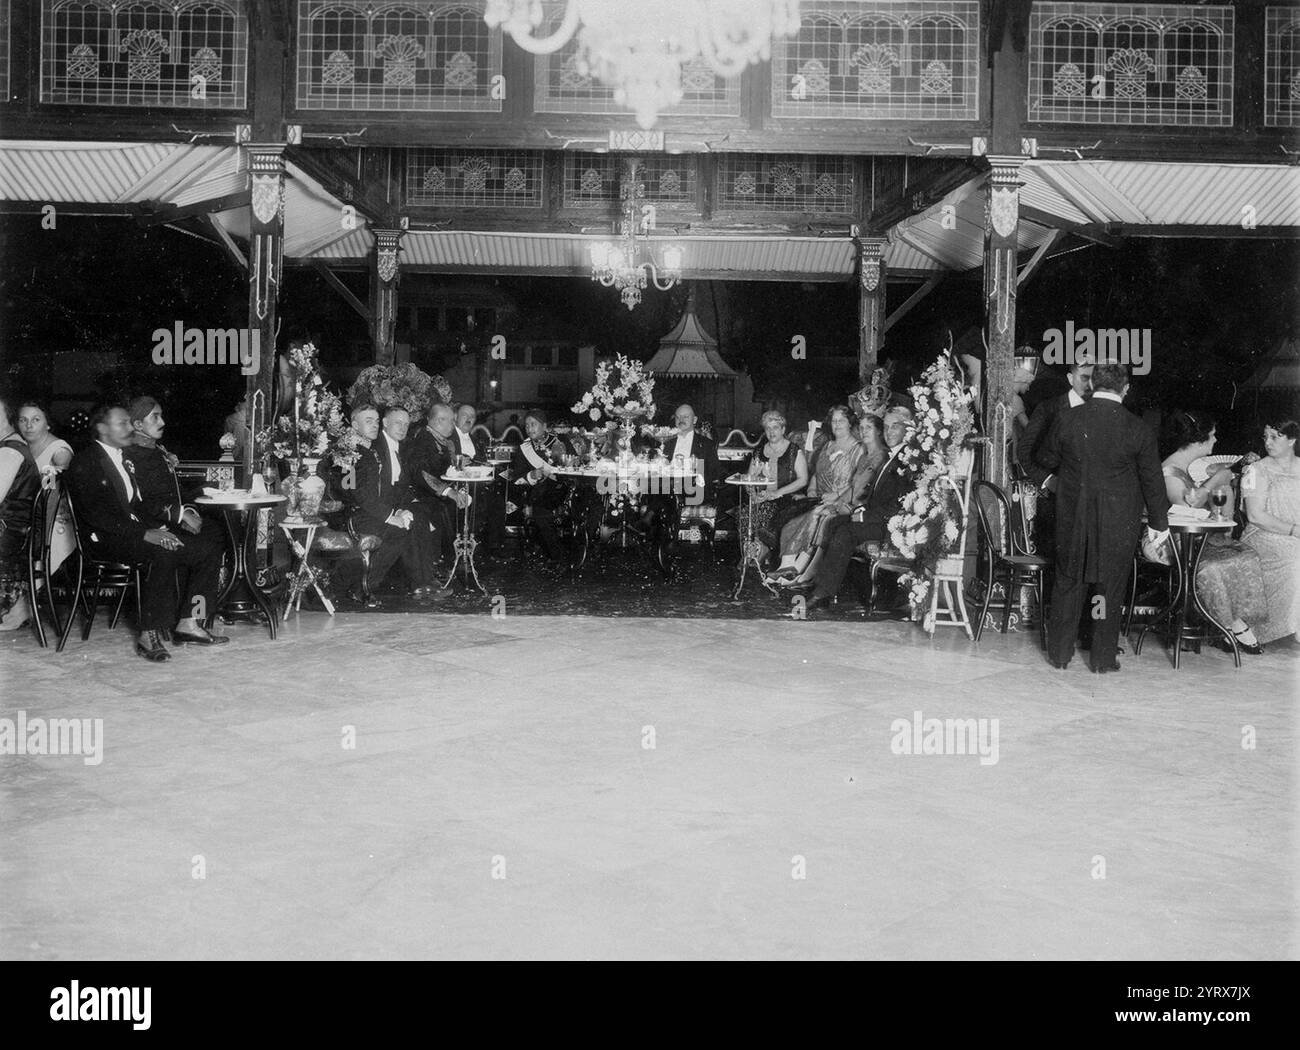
<point x="1229" y="580"/>
<point x="1272" y="488"/>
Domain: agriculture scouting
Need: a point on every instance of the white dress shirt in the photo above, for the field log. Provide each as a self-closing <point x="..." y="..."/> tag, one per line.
<point x="393" y="446"/>
<point x="115" y="455"/>
<point x="685" y="442"/>
<point x="1107" y="395"/>
<point x="1074" y="399"/>
<point x="466" y="444"/>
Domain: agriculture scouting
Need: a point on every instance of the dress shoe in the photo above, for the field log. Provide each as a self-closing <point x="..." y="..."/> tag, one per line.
<point x="1253" y="650"/>
<point x="366" y="601"/>
<point x="155" y="653"/>
<point x="204" y="638"/>
<point x="1058" y="664"/>
<point x="430" y="592"/>
<point x="1109" y="668"/>
<point x="819" y="601"/>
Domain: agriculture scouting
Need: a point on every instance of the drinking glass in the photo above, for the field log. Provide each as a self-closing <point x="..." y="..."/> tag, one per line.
<point x="1220" y="499"/>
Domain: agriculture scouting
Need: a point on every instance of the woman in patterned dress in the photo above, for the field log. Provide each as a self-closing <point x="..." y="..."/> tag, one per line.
<point x="52" y="455"/>
<point x="1272" y="490"/>
<point x="783" y="461"/>
<point x="838" y="469"/>
<point x="1229" y="580"/>
<point x="20" y="481"/>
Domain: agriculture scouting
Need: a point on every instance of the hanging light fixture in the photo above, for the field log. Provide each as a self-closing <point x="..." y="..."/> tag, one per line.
<point x="639" y="48"/>
<point x="621" y="265"/>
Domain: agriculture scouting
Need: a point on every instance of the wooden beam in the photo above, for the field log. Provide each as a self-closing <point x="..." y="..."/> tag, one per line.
<point x="921" y="196"/>
<point x="1036" y="260"/>
<point x="228" y="242"/>
<point x="1088" y="231"/>
<point x="172" y="213"/>
<point x="930" y="285"/>
<point x="332" y="279"/>
<point x="1189" y="231"/>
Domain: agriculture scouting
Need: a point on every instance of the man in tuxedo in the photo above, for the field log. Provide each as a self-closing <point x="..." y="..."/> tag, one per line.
<point x="491" y="498"/>
<point x="1108" y="470"/>
<point x="429" y="455"/>
<point x="379" y="506"/>
<point x="1035" y="437"/>
<point x="115" y="524"/>
<point x="880" y="500"/>
<point x="689" y="442"/>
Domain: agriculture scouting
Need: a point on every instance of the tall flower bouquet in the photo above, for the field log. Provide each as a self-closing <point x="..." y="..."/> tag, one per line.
<point x="399" y="386"/>
<point x="316" y="424"/>
<point x="928" y="525"/>
<point x="627" y="396"/>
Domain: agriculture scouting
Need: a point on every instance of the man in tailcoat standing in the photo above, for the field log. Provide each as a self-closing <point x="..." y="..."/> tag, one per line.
<point x="1108" y="472"/>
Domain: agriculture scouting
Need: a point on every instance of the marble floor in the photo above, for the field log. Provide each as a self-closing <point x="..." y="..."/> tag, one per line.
<point x="450" y="786"/>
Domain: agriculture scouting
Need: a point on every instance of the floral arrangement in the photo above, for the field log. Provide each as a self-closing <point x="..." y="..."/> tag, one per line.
<point x="928" y="525"/>
<point x="317" y="425"/>
<point x="657" y="433"/>
<point x="628" y="396"/>
<point x="399" y="386"/>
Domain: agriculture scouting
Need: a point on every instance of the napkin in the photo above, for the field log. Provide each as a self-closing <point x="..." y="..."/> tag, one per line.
<point x="1179" y="510"/>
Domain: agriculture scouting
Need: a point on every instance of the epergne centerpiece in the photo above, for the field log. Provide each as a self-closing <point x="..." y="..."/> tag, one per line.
<point x="627" y="397"/>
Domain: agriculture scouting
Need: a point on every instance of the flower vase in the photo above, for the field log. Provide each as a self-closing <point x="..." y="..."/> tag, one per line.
<point x="311" y="490"/>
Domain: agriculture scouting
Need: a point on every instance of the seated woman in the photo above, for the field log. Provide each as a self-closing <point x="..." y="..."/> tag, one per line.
<point x="871" y="432"/>
<point x="1229" y="580"/>
<point x="20" y="481"/>
<point x="52" y="457"/>
<point x="1272" y="488"/>
<point x="835" y="477"/>
<point x="784" y="464"/>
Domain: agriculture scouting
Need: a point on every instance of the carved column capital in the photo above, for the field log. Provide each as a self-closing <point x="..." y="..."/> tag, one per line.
<point x="387" y="251"/>
<point x="871" y="265"/>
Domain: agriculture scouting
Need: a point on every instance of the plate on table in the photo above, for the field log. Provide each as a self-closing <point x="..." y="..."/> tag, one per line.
<point x="1202" y="468"/>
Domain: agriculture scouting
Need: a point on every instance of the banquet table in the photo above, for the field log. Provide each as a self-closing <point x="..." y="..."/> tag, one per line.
<point x="1184" y="615"/>
<point x="628" y="518"/>
<point x="242" y="598"/>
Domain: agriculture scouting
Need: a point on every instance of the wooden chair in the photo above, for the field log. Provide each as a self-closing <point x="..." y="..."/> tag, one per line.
<point x="1005" y="554"/>
<point x="39" y="540"/>
<point x="93" y="576"/>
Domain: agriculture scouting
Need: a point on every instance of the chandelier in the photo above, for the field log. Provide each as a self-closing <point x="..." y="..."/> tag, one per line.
<point x="639" y="47"/>
<point x="617" y="265"/>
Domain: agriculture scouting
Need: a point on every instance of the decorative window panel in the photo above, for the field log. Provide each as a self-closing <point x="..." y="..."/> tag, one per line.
<point x="367" y="55"/>
<point x="593" y="180"/>
<point x="1130" y="64"/>
<point x="4" y="50"/>
<point x="915" y="60"/>
<point x="1282" y="67"/>
<point x="561" y="85"/>
<point x="478" y="178"/>
<point x="190" y="54"/>
<point x="754" y="182"/>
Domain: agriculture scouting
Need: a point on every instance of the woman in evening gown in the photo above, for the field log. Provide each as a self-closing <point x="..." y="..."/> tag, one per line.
<point x="1272" y="491"/>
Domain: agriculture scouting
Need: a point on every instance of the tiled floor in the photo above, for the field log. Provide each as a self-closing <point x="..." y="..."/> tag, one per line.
<point x="502" y="799"/>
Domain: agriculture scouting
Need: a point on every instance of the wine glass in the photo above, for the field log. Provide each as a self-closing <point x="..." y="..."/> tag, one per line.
<point x="1220" y="499"/>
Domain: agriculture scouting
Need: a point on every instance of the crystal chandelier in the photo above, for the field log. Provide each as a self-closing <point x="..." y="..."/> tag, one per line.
<point x="617" y="265"/>
<point x="639" y="47"/>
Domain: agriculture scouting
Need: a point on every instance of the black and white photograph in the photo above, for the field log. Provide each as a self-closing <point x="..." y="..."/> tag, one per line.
<point x="649" y="480"/>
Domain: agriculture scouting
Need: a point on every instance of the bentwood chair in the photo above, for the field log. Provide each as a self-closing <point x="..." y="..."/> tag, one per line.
<point x="1006" y="558"/>
<point x="94" y="576"/>
<point x="45" y="512"/>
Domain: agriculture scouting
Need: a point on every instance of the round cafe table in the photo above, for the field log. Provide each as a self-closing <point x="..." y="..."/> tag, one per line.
<point x="1186" y="618"/>
<point x="749" y="545"/>
<point x="464" y="542"/>
<point x="242" y="598"/>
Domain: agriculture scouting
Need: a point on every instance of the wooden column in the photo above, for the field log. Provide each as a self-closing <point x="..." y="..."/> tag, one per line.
<point x="385" y="272"/>
<point x="1001" y="222"/>
<point x="871" y="304"/>
<point x="265" y="265"/>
